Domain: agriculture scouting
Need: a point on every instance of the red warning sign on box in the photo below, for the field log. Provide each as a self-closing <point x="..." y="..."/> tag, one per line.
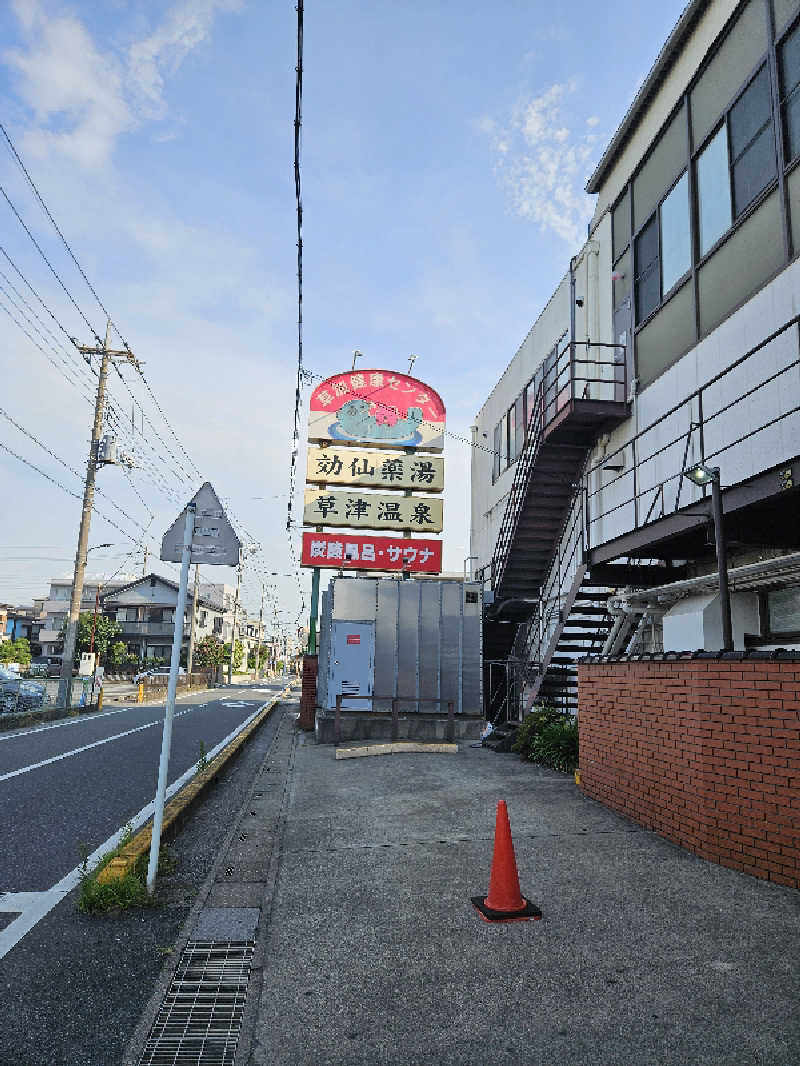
<point x="337" y="551"/>
<point x="353" y="638"/>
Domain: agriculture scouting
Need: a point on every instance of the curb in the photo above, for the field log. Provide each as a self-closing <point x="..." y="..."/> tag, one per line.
<point x="180" y="803"/>
<point x="400" y="747"/>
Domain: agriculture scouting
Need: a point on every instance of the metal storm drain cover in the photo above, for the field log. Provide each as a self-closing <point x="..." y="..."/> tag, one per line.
<point x="201" y="1017"/>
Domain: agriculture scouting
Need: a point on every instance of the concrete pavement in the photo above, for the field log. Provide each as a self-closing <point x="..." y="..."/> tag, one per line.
<point x="356" y="876"/>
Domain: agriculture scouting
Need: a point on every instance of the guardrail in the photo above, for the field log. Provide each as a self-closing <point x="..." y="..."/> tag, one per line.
<point x="396" y="701"/>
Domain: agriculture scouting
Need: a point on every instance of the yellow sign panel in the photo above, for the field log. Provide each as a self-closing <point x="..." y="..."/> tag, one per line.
<point x="375" y="470"/>
<point x="372" y="510"/>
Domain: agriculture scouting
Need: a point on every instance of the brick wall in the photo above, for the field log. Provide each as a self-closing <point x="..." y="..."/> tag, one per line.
<point x="705" y="752"/>
<point x="308" y="695"/>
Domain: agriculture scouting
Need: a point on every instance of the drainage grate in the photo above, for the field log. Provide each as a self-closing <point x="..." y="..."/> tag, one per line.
<point x="198" y="1023"/>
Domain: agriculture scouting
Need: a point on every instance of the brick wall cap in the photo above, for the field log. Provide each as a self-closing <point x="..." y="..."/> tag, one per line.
<point x="750" y="655"/>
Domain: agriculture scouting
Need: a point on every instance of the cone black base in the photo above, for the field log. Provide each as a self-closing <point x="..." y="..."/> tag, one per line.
<point x="530" y="912"/>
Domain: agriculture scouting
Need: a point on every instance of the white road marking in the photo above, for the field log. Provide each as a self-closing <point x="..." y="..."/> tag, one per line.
<point x="39" y="904"/>
<point x="85" y="747"/>
<point x="60" y="725"/>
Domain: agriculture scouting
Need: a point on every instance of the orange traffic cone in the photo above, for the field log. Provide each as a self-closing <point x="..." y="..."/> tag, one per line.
<point x="505" y="902"/>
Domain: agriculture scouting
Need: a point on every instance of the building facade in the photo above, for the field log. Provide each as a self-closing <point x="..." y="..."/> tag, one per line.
<point x="672" y="340"/>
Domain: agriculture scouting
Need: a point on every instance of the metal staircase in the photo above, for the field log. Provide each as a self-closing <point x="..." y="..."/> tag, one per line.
<point x="543" y="616"/>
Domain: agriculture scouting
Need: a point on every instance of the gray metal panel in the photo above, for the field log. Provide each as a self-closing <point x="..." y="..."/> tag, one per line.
<point x="324" y="647"/>
<point x="352" y="668"/>
<point x="385" y="642"/>
<point x="429" y="642"/>
<point x="451" y="624"/>
<point x="354" y="597"/>
<point x="471" y="658"/>
<point x="408" y="644"/>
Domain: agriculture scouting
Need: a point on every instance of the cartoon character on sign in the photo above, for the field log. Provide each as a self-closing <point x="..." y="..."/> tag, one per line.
<point x="357" y="422"/>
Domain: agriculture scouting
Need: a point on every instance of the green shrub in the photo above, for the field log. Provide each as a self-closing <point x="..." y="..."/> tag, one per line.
<point x="556" y="746"/>
<point x="532" y="725"/>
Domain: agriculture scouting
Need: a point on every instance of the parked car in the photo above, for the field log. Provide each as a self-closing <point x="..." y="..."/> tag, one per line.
<point x="19" y="695"/>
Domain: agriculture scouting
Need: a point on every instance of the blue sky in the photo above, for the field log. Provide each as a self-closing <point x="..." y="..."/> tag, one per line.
<point x="445" y="149"/>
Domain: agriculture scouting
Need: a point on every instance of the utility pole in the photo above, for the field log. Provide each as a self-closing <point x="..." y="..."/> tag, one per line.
<point x="233" y="631"/>
<point x="144" y="567"/>
<point x="71" y="632"/>
<point x="260" y="631"/>
<point x="190" y="653"/>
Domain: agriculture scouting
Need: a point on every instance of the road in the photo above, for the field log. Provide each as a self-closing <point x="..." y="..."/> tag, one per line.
<point x="74" y="784"/>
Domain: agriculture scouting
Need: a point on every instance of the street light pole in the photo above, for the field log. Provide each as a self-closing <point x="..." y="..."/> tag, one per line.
<point x="260" y="631"/>
<point x="190" y="653"/>
<point x="701" y="475"/>
<point x="722" y="563"/>
<point x="233" y="630"/>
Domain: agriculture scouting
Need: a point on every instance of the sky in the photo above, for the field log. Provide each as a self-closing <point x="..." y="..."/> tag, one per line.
<point x="445" y="149"/>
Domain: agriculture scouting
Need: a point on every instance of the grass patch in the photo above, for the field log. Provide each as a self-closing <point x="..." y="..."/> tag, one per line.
<point x="121" y="893"/>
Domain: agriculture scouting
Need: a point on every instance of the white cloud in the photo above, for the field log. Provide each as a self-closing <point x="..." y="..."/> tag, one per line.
<point x="185" y="27"/>
<point x="83" y="99"/>
<point x="74" y="92"/>
<point x="543" y="164"/>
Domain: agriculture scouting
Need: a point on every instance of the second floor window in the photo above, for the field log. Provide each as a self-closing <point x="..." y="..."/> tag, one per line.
<point x="663" y="249"/>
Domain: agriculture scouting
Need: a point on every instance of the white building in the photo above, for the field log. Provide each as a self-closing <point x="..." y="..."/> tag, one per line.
<point x="672" y="339"/>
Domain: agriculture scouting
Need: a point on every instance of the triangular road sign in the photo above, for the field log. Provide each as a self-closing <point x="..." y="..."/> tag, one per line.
<point x="214" y="541"/>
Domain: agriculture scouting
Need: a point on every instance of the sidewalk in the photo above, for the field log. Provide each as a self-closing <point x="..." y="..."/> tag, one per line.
<point x="372" y="952"/>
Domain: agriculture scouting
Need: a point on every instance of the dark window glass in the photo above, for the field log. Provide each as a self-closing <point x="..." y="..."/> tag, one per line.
<point x="791" y="125"/>
<point x="789" y="61"/>
<point x="512" y="436"/>
<point x="648" y="293"/>
<point x="519" y="422"/>
<point x="496" y="455"/>
<point x="753" y="170"/>
<point x="784" y="610"/>
<point x="753" y="162"/>
<point x="648" y="281"/>
<point x="750" y="113"/>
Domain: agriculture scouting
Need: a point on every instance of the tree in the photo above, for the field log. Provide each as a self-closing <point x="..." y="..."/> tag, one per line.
<point x="105" y="629"/>
<point x="238" y="654"/>
<point x="118" y="653"/>
<point x="16" y="651"/>
<point x="209" y="652"/>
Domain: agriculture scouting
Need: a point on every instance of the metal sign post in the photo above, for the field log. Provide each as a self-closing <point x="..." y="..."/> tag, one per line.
<point x="166" y="740"/>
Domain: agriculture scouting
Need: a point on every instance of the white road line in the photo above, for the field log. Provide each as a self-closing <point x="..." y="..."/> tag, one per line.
<point x="87" y="718"/>
<point x="39" y="904"/>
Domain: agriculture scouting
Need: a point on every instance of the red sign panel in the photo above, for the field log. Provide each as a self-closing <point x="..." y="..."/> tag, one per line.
<point x="344" y="551"/>
<point x="353" y="638"/>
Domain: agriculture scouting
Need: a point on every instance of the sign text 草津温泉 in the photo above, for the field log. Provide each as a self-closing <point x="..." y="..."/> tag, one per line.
<point x="346" y="551"/>
<point x="372" y="510"/>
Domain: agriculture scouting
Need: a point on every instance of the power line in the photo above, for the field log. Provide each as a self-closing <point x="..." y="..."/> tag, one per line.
<point x="53" y="271"/>
<point x="36" y="344"/>
<point x="298" y="127"/>
<point x="61" y="235"/>
<point x="64" y="463"/>
<point x="63" y="488"/>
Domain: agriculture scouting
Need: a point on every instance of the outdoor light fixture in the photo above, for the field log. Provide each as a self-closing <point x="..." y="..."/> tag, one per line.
<point x="701" y="475"/>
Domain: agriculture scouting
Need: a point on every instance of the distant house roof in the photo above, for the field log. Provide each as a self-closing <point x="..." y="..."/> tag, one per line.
<point x="665" y="59"/>
<point x="146" y="580"/>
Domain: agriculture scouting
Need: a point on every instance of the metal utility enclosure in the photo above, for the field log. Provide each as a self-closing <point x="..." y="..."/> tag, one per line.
<point x="385" y="638"/>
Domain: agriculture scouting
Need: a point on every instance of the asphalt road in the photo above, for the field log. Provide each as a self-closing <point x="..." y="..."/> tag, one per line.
<point x="75" y="985"/>
<point x="72" y="784"/>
